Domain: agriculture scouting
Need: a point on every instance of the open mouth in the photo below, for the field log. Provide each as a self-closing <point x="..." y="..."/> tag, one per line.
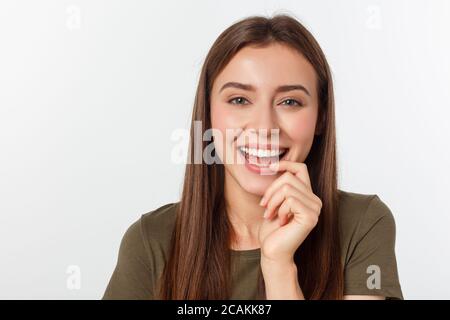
<point x="262" y="157"/>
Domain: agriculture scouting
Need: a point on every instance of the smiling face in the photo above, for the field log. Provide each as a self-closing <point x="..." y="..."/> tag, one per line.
<point x="260" y="90"/>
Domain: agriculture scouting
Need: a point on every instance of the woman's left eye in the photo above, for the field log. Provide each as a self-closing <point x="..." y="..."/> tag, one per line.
<point x="293" y="102"/>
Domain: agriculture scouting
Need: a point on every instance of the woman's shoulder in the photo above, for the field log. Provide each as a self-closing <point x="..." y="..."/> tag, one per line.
<point x="358" y="209"/>
<point x="142" y="254"/>
<point x="158" y="224"/>
<point x="364" y="220"/>
<point x="367" y="231"/>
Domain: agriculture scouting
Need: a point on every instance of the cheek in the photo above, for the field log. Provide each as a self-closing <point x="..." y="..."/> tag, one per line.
<point x="223" y="119"/>
<point x="300" y="129"/>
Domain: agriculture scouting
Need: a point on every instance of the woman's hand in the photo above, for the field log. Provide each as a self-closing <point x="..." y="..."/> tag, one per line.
<point x="292" y="211"/>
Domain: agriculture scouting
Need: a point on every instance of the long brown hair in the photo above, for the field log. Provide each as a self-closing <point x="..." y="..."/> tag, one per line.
<point x="198" y="266"/>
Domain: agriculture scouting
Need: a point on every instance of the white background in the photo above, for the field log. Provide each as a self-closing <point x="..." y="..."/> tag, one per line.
<point x="91" y="92"/>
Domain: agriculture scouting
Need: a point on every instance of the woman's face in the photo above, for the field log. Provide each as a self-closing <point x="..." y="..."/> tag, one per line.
<point x="259" y="91"/>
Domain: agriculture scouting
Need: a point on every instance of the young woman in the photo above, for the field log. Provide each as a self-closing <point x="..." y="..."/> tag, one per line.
<point x="273" y="225"/>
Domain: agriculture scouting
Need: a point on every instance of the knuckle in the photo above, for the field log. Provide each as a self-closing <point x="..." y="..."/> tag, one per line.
<point x="318" y="202"/>
<point x="313" y="219"/>
<point x="287" y="176"/>
<point x="286" y="188"/>
<point x="318" y="207"/>
<point x="290" y="201"/>
<point x="318" y="199"/>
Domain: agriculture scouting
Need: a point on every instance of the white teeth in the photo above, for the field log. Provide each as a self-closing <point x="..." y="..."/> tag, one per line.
<point x="261" y="153"/>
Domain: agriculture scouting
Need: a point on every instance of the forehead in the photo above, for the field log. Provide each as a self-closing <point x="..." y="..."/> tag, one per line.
<point x="268" y="67"/>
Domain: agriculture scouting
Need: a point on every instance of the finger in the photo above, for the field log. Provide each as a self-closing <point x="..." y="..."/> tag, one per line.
<point x="302" y="213"/>
<point x="283" y="192"/>
<point x="299" y="169"/>
<point x="286" y="177"/>
<point x="285" y="218"/>
<point x="303" y="219"/>
<point x="285" y="210"/>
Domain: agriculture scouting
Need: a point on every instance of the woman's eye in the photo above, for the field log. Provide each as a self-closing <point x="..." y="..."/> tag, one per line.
<point x="293" y="102"/>
<point x="243" y="101"/>
<point x="237" y="100"/>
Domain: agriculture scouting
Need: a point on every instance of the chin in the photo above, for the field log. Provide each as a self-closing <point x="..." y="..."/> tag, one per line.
<point x="252" y="182"/>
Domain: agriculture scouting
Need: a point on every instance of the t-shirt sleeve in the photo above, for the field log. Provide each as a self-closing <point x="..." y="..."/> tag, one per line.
<point x="131" y="278"/>
<point x="372" y="267"/>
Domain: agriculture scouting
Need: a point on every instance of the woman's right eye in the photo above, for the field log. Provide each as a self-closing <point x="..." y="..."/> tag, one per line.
<point x="237" y="100"/>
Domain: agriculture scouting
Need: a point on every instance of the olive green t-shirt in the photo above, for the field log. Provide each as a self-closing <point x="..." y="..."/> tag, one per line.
<point x="367" y="233"/>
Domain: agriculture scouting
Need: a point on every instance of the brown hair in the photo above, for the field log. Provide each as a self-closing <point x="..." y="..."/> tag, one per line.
<point x="199" y="262"/>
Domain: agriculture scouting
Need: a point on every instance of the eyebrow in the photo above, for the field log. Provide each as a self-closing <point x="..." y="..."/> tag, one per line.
<point x="249" y="87"/>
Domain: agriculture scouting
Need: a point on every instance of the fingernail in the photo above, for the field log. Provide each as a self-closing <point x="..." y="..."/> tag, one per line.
<point x="265" y="214"/>
<point x="262" y="201"/>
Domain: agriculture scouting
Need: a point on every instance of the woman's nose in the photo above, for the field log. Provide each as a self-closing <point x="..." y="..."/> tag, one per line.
<point x="264" y="124"/>
<point x="264" y="117"/>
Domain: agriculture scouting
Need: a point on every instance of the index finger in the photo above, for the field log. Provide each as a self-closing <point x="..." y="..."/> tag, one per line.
<point x="299" y="169"/>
